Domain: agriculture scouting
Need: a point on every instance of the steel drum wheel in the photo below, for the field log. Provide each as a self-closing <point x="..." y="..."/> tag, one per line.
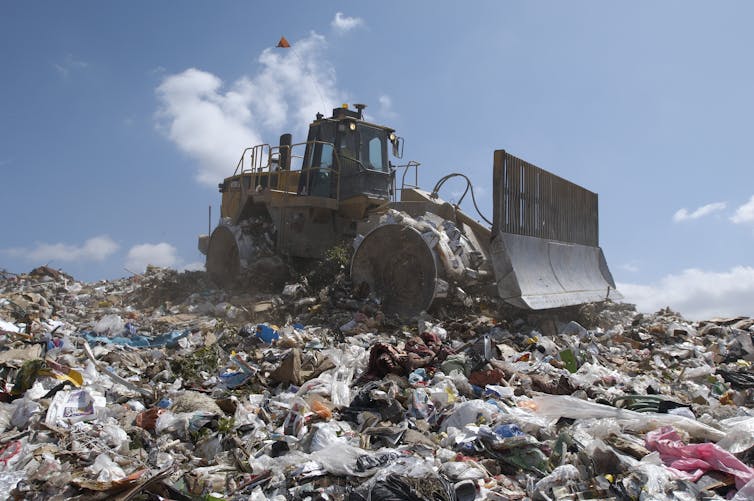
<point x="399" y="268"/>
<point x="223" y="263"/>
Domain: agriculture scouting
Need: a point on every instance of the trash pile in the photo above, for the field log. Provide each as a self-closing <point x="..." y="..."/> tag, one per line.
<point x="160" y="387"/>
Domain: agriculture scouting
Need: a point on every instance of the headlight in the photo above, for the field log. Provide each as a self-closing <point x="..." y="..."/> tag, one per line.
<point x="392" y="136"/>
<point x="352" y="126"/>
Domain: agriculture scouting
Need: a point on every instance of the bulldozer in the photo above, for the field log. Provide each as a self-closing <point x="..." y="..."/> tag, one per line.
<point x="412" y="249"/>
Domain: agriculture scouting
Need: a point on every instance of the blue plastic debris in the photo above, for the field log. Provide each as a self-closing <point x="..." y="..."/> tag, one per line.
<point x="267" y="333"/>
<point x="509" y="430"/>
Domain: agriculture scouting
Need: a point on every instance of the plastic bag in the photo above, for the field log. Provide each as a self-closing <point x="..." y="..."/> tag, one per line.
<point x="340" y="392"/>
<point x="461" y="382"/>
<point x="266" y="333"/>
<point x="557" y="406"/>
<point x="180" y="424"/>
<point x="588" y="374"/>
<point x="462" y="470"/>
<point x="6" y="411"/>
<point x="246" y="416"/>
<point x="340" y="459"/>
<point x="696" y="459"/>
<point x="497" y="391"/>
<point x="653" y="481"/>
<point x="468" y="413"/>
<point x="106" y="469"/>
<point x="443" y="392"/>
<point x="420" y="406"/>
<point x="562" y="475"/>
<point x="24" y="410"/>
<point x="745" y="493"/>
<point x="68" y="407"/>
<point x="9" y="480"/>
<point x="334" y="453"/>
<point x="13" y="454"/>
<point x="295" y="422"/>
<point x="7" y="326"/>
<point x="740" y="436"/>
<point x="347" y="362"/>
<point x="114" y="435"/>
<point x="326" y="434"/>
<point x="320" y="407"/>
<point x="110" y="325"/>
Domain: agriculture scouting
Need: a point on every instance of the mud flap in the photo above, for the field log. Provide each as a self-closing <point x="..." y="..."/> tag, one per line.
<point x="544" y="247"/>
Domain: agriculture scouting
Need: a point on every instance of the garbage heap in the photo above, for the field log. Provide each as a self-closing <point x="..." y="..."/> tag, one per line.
<point x="160" y="387"/>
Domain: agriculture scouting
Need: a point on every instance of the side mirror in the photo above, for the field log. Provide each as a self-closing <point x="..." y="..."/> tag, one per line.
<point x="398" y="147"/>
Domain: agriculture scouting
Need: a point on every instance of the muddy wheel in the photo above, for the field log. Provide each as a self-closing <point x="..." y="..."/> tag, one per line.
<point x="395" y="264"/>
<point x="223" y="260"/>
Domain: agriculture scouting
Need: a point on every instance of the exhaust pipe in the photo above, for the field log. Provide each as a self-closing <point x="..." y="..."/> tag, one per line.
<point x="285" y="151"/>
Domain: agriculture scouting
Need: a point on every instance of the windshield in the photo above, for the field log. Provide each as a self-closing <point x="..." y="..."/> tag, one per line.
<point x="373" y="148"/>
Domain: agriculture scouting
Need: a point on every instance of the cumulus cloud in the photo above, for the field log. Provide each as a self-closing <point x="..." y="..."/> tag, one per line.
<point x="629" y="267"/>
<point x="745" y="213"/>
<point x="212" y="122"/>
<point x="386" y="107"/>
<point x="162" y="254"/>
<point x="69" y="64"/>
<point x="342" y="23"/>
<point x="94" y="249"/>
<point x="697" y="294"/>
<point x="195" y="266"/>
<point x="704" y="210"/>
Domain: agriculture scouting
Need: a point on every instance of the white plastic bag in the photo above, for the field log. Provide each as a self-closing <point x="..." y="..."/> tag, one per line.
<point x="562" y="475"/>
<point x="469" y="413"/>
<point x="346" y="362"/>
<point x="6" y="411"/>
<point x="745" y="493"/>
<point x="557" y="406"/>
<point x="68" y="407"/>
<point x="110" y="325"/>
<point x="740" y="435"/>
<point x="106" y="469"/>
<point x="25" y="409"/>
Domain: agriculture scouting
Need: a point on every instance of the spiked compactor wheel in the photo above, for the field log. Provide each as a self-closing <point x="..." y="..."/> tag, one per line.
<point x="399" y="267"/>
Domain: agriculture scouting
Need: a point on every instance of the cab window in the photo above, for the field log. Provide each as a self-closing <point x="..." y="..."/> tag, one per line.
<point x="373" y="149"/>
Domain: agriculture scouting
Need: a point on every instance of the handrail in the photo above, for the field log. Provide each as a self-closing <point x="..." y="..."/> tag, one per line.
<point x="407" y="167"/>
<point x="260" y="164"/>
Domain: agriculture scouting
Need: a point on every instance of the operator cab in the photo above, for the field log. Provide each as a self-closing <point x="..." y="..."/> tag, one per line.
<point x="347" y="156"/>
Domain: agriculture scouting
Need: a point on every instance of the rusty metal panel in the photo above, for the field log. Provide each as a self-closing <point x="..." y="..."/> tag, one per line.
<point x="514" y="195"/>
<point x="530" y="201"/>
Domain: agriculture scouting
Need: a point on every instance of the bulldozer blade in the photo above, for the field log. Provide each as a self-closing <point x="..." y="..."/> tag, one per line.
<point x="544" y="246"/>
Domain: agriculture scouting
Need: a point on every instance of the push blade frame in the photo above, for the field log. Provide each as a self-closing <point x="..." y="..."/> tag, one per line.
<point x="545" y="239"/>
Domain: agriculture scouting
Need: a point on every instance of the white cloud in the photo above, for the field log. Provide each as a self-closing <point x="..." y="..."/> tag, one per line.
<point x="343" y="23"/>
<point x="213" y="124"/>
<point x="163" y="255"/>
<point x="697" y="294"/>
<point x="94" y="249"/>
<point x="195" y="266"/>
<point x="629" y="267"/>
<point x="386" y="107"/>
<point x="69" y="64"/>
<point x="745" y="213"/>
<point x="705" y="210"/>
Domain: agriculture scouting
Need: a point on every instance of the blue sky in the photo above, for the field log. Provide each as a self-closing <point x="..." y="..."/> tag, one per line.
<point x="118" y="120"/>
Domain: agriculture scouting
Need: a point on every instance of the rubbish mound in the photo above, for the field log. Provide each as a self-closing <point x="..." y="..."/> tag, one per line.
<point x="160" y="387"/>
